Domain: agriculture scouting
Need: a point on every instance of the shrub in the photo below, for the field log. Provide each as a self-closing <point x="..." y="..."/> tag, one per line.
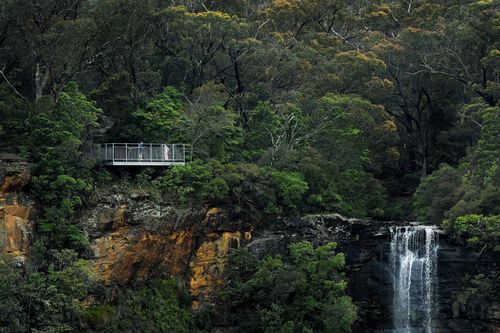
<point x="62" y="177"/>
<point x="437" y="194"/>
<point x="477" y="231"/>
<point x="161" y="307"/>
<point x="303" y="291"/>
<point x="248" y="188"/>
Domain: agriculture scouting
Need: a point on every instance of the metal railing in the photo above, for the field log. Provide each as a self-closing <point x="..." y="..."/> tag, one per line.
<point x="141" y="154"/>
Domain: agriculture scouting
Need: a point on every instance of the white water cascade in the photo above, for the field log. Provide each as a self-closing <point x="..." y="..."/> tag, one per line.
<point x="414" y="265"/>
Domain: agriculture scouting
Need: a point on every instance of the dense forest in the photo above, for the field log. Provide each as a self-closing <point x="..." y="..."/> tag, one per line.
<point x="388" y="110"/>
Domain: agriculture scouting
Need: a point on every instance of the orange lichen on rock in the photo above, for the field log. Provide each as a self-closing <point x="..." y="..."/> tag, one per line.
<point x="215" y="216"/>
<point x="15" y="219"/>
<point x="208" y="264"/>
<point x="15" y="229"/>
<point x="119" y="219"/>
<point x="127" y="255"/>
<point x="132" y="244"/>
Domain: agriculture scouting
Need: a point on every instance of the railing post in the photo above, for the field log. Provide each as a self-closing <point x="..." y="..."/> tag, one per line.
<point x="151" y="152"/>
<point x="126" y="153"/>
<point x="105" y="152"/>
<point x="184" y="153"/>
<point x="173" y="153"/>
<point x="113" y="154"/>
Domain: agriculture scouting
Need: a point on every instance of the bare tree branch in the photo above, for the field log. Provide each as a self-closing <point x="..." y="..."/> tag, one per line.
<point x="2" y="72"/>
<point x="470" y="118"/>
<point x="260" y="27"/>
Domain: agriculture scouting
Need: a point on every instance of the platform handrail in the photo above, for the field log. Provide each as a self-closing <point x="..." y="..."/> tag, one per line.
<point x="131" y="153"/>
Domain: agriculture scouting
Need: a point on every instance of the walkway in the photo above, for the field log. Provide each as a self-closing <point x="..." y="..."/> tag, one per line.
<point x="147" y="154"/>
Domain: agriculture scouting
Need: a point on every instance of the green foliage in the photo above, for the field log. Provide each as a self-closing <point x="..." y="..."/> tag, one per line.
<point x="156" y="121"/>
<point x="62" y="176"/>
<point x="485" y="160"/>
<point x="13" y="112"/>
<point x="249" y="188"/>
<point x="11" y="292"/>
<point x="263" y="79"/>
<point x="479" y="289"/>
<point x="115" y="96"/>
<point x="99" y="315"/>
<point x="302" y="292"/>
<point x="262" y="126"/>
<point x="473" y="187"/>
<point x="437" y="194"/>
<point x="187" y="182"/>
<point x="477" y="231"/>
<point x="361" y="195"/>
<point x="209" y="126"/>
<point x="161" y="307"/>
<point x="287" y="107"/>
<point x="481" y="286"/>
<point x="43" y="301"/>
<point x="290" y="188"/>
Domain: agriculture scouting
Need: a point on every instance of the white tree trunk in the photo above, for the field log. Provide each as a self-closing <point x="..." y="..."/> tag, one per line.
<point x="40" y="81"/>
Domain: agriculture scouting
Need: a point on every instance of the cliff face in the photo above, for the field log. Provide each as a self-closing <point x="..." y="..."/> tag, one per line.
<point x="135" y="238"/>
<point x="16" y="208"/>
<point x="366" y="245"/>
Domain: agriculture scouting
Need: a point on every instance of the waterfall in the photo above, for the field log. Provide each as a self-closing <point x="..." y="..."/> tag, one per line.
<point x="414" y="265"/>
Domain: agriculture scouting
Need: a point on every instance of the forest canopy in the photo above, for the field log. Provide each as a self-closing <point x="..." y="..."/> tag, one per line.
<point x="360" y="100"/>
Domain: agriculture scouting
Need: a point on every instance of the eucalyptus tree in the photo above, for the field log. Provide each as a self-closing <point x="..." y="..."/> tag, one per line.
<point x="47" y="44"/>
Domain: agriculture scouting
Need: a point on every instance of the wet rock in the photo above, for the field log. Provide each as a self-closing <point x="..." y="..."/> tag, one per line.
<point x="366" y="245"/>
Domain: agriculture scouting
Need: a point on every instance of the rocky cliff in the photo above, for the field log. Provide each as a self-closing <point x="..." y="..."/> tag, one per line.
<point x="134" y="238"/>
<point x="16" y="208"/>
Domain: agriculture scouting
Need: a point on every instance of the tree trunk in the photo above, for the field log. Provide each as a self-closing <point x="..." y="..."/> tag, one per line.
<point x="423" y="172"/>
<point x="40" y="81"/>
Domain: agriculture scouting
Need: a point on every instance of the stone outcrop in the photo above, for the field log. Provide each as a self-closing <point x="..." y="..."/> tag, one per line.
<point x="135" y="238"/>
<point x="16" y="208"/>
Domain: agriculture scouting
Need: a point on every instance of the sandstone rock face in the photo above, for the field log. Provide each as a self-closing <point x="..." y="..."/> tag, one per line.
<point x="208" y="264"/>
<point x="16" y="208"/>
<point x="15" y="229"/>
<point x="135" y="238"/>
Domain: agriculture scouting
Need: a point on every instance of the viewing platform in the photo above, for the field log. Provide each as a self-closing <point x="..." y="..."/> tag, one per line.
<point x="141" y="154"/>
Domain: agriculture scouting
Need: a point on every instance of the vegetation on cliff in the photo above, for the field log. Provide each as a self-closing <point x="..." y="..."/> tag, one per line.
<point x="35" y="300"/>
<point x="303" y="291"/>
<point x="384" y="109"/>
<point x="163" y="306"/>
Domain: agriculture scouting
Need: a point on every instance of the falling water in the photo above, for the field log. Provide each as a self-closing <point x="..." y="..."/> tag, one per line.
<point x="414" y="265"/>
